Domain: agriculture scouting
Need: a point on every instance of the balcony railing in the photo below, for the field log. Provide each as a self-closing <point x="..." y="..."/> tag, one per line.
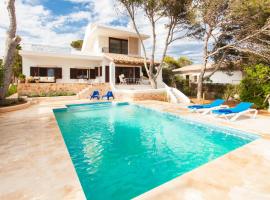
<point x="46" y="48"/>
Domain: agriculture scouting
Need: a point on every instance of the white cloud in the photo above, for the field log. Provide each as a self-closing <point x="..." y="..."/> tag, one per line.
<point x="36" y="24"/>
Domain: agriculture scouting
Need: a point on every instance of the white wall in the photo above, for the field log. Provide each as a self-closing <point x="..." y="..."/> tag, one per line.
<point x="102" y="42"/>
<point x="219" y="77"/>
<point x="64" y="63"/>
<point x="223" y="77"/>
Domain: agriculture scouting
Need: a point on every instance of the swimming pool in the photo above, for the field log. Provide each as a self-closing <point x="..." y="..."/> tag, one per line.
<point x="121" y="151"/>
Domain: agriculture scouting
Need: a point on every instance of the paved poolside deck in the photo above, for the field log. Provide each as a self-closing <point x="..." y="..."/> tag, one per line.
<point x="35" y="164"/>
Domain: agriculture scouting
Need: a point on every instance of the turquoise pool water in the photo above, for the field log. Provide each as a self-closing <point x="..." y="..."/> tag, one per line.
<point x="121" y="151"/>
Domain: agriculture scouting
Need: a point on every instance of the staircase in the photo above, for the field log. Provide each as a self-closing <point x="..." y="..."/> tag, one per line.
<point x="85" y="93"/>
<point x="176" y="96"/>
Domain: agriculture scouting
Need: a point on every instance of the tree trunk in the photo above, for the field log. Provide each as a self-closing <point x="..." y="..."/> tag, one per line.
<point x="202" y="72"/>
<point x="11" y="42"/>
<point x="200" y="87"/>
<point x="153" y="82"/>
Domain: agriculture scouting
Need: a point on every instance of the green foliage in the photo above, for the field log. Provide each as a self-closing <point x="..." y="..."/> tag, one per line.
<point x="183" y="85"/>
<point x="231" y="92"/>
<point x="168" y="76"/>
<point x="171" y="62"/>
<point x="184" y="61"/>
<point x="17" y="62"/>
<point x="52" y="94"/>
<point x="256" y="85"/>
<point x="11" y="102"/>
<point x="77" y="44"/>
<point x="1" y="73"/>
<point x="21" y="77"/>
<point x="12" y="90"/>
<point x="180" y="62"/>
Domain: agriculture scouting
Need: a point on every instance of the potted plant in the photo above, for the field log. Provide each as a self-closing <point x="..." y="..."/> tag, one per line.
<point x="21" y="78"/>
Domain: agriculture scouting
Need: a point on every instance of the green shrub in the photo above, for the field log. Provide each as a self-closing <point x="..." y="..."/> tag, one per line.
<point x="12" y="89"/>
<point x="21" y="77"/>
<point x="168" y="76"/>
<point x="183" y="86"/>
<point x="1" y="73"/>
<point x="10" y="102"/>
<point x="52" y="94"/>
<point x="256" y="85"/>
<point x="231" y="91"/>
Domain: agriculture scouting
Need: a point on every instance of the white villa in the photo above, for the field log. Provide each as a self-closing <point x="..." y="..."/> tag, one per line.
<point x="191" y="73"/>
<point x="106" y="53"/>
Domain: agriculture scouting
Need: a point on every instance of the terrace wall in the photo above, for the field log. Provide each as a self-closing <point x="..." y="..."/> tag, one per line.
<point x="49" y="89"/>
<point x="158" y="95"/>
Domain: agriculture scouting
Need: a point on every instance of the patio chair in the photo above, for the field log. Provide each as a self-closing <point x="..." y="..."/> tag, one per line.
<point x="108" y="95"/>
<point x="95" y="95"/>
<point x="207" y="108"/>
<point x="233" y="113"/>
<point x="122" y="79"/>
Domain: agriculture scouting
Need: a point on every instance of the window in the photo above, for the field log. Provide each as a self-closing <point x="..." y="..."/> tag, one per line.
<point x="195" y="79"/>
<point x="46" y="72"/>
<point x="118" y="46"/>
<point x="187" y="77"/>
<point x="76" y="73"/>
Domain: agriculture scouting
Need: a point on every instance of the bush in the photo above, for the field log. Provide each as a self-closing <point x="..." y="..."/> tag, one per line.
<point x="168" y="76"/>
<point x="11" y="102"/>
<point x="183" y="86"/>
<point x="52" y="94"/>
<point x="12" y="89"/>
<point x="231" y="92"/>
<point x="255" y="86"/>
<point x="21" y="77"/>
<point x="1" y="73"/>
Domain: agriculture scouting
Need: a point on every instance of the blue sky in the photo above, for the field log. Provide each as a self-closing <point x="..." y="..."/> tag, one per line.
<point x="58" y="22"/>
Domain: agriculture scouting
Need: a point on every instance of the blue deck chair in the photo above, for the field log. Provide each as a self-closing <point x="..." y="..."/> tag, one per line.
<point x="108" y="95"/>
<point x="235" y="112"/>
<point x="206" y="108"/>
<point x="95" y="95"/>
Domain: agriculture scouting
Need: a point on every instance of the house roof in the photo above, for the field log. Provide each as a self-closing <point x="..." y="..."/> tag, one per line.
<point x="193" y="68"/>
<point x="125" y="59"/>
<point x="116" y="31"/>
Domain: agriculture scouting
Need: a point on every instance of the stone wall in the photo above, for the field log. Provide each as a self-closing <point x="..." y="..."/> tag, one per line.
<point x="140" y="96"/>
<point x="45" y="89"/>
<point x="84" y="90"/>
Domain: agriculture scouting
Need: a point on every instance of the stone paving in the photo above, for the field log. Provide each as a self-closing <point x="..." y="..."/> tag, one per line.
<point x="35" y="164"/>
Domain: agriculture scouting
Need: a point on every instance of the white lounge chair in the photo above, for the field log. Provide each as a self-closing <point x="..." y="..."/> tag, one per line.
<point x="231" y="114"/>
<point x="207" y="108"/>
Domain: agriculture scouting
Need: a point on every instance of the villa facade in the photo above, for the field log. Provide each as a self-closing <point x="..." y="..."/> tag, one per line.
<point x="106" y="53"/>
<point x="191" y="73"/>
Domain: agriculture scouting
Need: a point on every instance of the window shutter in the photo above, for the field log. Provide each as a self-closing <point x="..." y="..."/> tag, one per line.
<point x="100" y="71"/>
<point x="34" y="71"/>
<point x="92" y="73"/>
<point x="96" y="71"/>
<point x="58" y="73"/>
<point x="73" y="73"/>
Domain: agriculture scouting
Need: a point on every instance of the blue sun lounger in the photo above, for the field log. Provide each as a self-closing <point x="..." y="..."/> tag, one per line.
<point x="95" y="95"/>
<point x="206" y="108"/>
<point x="108" y="95"/>
<point x="233" y="113"/>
